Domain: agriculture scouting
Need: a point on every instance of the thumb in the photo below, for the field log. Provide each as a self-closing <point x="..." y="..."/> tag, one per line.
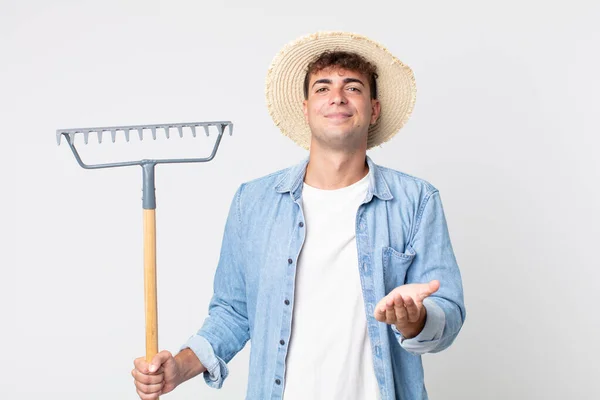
<point x="429" y="289"/>
<point x="158" y="360"/>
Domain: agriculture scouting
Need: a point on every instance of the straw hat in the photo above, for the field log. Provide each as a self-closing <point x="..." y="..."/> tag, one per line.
<point x="396" y="88"/>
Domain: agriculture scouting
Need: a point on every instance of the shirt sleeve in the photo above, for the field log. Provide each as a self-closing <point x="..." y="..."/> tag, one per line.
<point x="216" y="368"/>
<point x="226" y="330"/>
<point x="434" y="259"/>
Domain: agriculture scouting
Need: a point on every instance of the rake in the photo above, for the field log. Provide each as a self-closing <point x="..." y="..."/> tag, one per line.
<point x="149" y="197"/>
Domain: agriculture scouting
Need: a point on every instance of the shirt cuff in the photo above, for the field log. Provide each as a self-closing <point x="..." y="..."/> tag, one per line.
<point x="432" y="332"/>
<point x="216" y="368"/>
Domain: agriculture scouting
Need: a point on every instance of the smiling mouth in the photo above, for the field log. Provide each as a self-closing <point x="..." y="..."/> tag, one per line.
<point x="338" y="116"/>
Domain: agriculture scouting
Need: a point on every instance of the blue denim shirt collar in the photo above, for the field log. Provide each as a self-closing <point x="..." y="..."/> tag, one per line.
<point x="292" y="181"/>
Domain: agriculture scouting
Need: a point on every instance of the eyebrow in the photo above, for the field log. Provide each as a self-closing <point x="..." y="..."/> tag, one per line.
<point x="346" y="81"/>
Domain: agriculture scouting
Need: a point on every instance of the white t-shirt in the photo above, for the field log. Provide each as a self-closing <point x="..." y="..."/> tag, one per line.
<point x="329" y="354"/>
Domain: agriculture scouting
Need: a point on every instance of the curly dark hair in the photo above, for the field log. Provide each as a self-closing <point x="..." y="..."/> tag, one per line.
<point x="346" y="60"/>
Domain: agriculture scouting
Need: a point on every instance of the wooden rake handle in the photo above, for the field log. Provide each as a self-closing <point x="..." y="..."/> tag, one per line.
<point x="150" y="284"/>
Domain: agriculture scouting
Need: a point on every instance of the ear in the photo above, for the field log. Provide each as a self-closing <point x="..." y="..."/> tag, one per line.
<point x="305" y="110"/>
<point x="375" y="110"/>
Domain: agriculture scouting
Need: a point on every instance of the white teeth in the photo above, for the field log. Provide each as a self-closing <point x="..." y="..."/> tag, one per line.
<point x="206" y="130"/>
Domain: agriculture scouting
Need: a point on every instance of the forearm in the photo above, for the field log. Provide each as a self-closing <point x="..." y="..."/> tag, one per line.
<point x="189" y="364"/>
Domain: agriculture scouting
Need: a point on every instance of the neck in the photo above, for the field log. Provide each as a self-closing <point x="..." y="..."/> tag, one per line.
<point x="335" y="170"/>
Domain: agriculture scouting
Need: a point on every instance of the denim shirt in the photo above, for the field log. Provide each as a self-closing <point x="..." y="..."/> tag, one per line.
<point x="402" y="237"/>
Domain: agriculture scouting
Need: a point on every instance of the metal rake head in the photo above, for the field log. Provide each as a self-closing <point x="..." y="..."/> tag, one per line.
<point x="149" y="197"/>
<point x="70" y="134"/>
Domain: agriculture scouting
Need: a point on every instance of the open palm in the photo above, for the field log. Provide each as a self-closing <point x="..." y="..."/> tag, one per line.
<point x="403" y="307"/>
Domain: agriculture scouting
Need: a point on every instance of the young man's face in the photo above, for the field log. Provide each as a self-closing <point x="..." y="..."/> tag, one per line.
<point x="339" y="108"/>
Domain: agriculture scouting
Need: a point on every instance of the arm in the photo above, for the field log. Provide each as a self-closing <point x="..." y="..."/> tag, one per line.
<point x="435" y="260"/>
<point x="426" y="317"/>
<point x="225" y="331"/>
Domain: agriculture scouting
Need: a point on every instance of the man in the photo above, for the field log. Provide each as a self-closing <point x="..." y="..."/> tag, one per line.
<point x="340" y="271"/>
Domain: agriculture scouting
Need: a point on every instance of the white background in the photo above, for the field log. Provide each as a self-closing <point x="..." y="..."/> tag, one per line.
<point x="505" y="126"/>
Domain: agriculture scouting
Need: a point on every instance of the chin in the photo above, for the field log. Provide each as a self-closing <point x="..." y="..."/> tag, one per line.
<point x="341" y="141"/>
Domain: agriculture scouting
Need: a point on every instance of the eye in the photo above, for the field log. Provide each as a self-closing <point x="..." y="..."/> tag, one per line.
<point x="354" y="89"/>
<point x="322" y="89"/>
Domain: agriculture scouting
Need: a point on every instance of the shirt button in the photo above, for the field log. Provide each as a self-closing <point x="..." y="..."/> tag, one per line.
<point x="287" y="302"/>
<point x="277" y="381"/>
<point x="301" y="224"/>
<point x="282" y="342"/>
<point x="290" y="261"/>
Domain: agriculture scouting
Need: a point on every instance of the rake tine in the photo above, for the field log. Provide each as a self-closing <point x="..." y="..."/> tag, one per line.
<point x="70" y="134"/>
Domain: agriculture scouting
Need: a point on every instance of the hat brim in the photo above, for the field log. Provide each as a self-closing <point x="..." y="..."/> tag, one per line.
<point x="396" y="88"/>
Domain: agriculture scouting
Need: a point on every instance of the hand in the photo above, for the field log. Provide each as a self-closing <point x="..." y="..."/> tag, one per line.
<point x="161" y="376"/>
<point x="404" y="308"/>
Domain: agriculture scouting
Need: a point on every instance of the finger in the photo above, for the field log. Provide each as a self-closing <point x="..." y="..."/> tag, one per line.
<point x="148" y="389"/>
<point x="141" y="365"/>
<point x="147" y="379"/>
<point x="434" y="285"/>
<point x="412" y="309"/>
<point x="380" y="311"/>
<point x="146" y="396"/>
<point x="428" y="289"/>
<point x="390" y="313"/>
<point x="399" y="308"/>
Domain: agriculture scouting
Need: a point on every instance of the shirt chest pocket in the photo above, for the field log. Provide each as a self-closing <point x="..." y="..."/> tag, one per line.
<point x="395" y="265"/>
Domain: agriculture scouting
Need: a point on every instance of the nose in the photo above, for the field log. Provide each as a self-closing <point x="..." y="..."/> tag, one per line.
<point x="338" y="96"/>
